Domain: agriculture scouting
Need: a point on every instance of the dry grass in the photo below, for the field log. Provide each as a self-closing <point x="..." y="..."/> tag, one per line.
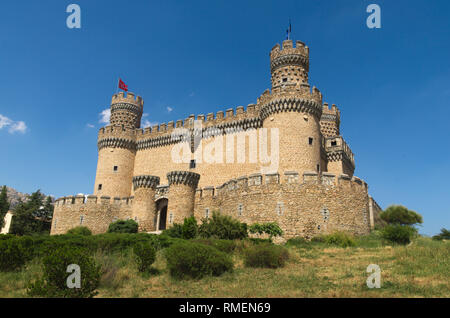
<point x="419" y="270"/>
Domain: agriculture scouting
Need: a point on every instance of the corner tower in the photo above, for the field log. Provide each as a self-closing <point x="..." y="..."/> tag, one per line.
<point x="293" y="108"/>
<point x="117" y="147"/>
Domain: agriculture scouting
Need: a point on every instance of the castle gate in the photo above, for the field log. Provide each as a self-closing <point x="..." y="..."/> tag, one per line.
<point x="161" y="214"/>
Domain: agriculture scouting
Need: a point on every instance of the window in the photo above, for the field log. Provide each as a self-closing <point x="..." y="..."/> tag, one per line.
<point x="81" y="219"/>
<point x="99" y="186"/>
<point x="192" y="164"/>
<point x="206" y="213"/>
<point x="318" y="168"/>
<point x="279" y="209"/>
<point x="240" y="209"/>
<point x="310" y="140"/>
<point x="334" y="143"/>
<point x="116" y="168"/>
<point x="318" y="227"/>
<point x="285" y="80"/>
<point x="170" y="218"/>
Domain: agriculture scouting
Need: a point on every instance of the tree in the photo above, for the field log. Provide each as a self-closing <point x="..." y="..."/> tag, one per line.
<point x="397" y="214"/>
<point x="123" y="226"/>
<point x="27" y="218"/>
<point x="189" y="229"/>
<point x="4" y="205"/>
<point x="444" y="235"/>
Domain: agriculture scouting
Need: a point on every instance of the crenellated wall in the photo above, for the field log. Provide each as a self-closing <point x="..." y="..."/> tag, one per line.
<point x="303" y="205"/>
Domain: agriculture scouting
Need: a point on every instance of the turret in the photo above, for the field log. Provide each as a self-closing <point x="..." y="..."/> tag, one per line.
<point x="330" y="121"/>
<point x="294" y="108"/>
<point x="144" y="206"/>
<point x="117" y="147"/>
<point x="289" y="65"/>
<point x="182" y="186"/>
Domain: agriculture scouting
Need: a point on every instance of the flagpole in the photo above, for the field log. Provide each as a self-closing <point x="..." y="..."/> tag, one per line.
<point x="117" y="86"/>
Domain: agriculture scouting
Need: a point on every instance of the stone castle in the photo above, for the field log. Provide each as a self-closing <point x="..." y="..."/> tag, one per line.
<point x="307" y="185"/>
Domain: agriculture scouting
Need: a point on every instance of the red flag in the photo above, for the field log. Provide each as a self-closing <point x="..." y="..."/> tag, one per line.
<point x="123" y="86"/>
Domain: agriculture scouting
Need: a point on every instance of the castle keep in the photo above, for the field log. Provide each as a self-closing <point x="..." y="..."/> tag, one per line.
<point x="282" y="159"/>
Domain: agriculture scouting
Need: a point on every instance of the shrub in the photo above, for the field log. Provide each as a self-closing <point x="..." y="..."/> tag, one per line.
<point x="272" y="229"/>
<point x="122" y="226"/>
<point x="444" y="235"/>
<point x="195" y="260"/>
<point x="226" y="246"/>
<point x="397" y="214"/>
<point x="54" y="281"/>
<point x="396" y="233"/>
<point x="13" y="255"/>
<point x="79" y="230"/>
<point x="175" y="231"/>
<point x="222" y="227"/>
<point x="341" y="239"/>
<point x="298" y="242"/>
<point x="189" y="229"/>
<point x="145" y="255"/>
<point x="266" y="255"/>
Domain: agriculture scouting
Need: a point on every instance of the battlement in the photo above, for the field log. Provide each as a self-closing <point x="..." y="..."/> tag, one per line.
<point x="332" y="113"/>
<point x="89" y="200"/>
<point x="289" y="49"/>
<point x="247" y="118"/>
<point x="256" y="183"/>
<point x="129" y="98"/>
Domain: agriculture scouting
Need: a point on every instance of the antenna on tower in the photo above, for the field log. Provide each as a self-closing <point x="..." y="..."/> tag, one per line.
<point x="289" y="30"/>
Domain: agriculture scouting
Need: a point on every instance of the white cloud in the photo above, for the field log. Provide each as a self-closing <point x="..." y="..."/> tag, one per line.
<point x="146" y="123"/>
<point x="169" y="109"/>
<point x="145" y="115"/>
<point x="90" y="125"/>
<point x="13" y="126"/>
<point x="104" y="116"/>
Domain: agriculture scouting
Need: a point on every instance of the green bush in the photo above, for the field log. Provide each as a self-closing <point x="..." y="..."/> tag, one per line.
<point x="54" y="280"/>
<point x="145" y="255"/>
<point x="79" y="230"/>
<point x="341" y="239"/>
<point x="226" y="246"/>
<point x="222" y="227"/>
<point x="176" y="231"/>
<point x="13" y="255"/>
<point x="444" y="235"/>
<point x="272" y="229"/>
<point x="189" y="229"/>
<point x="400" y="234"/>
<point x="266" y="255"/>
<point x="122" y="226"/>
<point x="188" y="259"/>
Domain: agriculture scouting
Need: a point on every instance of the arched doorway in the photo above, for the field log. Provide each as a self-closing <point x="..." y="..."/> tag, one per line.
<point x="161" y="215"/>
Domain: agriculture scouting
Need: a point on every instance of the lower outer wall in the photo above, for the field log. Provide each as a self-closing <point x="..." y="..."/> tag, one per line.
<point x="301" y="207"/>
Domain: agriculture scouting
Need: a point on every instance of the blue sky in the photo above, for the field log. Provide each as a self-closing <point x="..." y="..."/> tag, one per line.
<point x="193" y="57"/>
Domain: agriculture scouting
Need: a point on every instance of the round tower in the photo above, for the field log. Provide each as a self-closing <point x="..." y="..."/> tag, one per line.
<point x="294" y="109"/>
<point x="182" y="186"/>
<point x="117" y="147"/>
<point x="144" y="206"/>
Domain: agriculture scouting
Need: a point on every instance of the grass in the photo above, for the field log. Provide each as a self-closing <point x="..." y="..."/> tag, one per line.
<point x="420" y="269"/>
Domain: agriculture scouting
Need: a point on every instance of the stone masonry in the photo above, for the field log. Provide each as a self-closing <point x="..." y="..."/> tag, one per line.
<point x="156" y="176"/>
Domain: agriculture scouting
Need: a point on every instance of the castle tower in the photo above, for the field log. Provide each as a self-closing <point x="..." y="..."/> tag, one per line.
<point x="182" y="186"/>
<point x="144" y="206"/>
<point x="330" y="121"/>
<point x="117" y="147"/>
<point x="294" y="109"/>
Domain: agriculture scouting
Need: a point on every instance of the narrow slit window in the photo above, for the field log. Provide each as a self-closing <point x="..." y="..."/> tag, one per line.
<point x="99" y="186"/>
<point x="116" y="168"/>
<point x="310" y="140"/>
<point x="192" y="164"/>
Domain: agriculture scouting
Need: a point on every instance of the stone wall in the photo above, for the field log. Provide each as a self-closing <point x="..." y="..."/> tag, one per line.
<point x="303" y="205"/>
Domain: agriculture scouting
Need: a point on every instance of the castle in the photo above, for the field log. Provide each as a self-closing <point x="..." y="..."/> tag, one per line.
<point x="280" y="160"/>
